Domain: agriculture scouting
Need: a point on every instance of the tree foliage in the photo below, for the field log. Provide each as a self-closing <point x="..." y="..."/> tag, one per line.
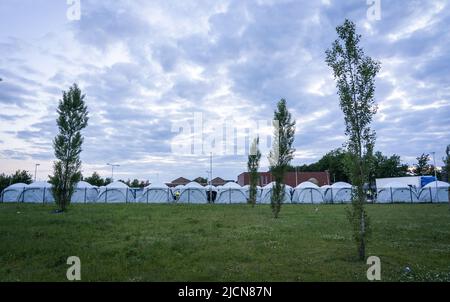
<point x="20" y="176"/>
<point x="383" y="166"/>
<point x="355" y="73"/>
<point x="423" y="167"/>
<point x="447" y="167"/>
<point x="282" y="153"/>
<point x="332" y="161"/>
<point x="96" y="180"/>
<point x="252" y="166"/>
<point x="72" y="119"/>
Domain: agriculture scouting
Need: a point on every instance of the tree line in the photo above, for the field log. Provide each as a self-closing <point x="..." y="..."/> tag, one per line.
<point x="381" y="166"/>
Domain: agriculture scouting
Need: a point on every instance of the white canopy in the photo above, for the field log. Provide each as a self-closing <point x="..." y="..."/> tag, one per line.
<point x="231" y="192"/>
<point x="430" y="194"/>
<point x="341" y="184"/>
<point x="193" y="192"/>
<point x="306" y="184"/>
<point x="307" y="192"/>
<point x="439" y="184"/>
<point x="40" y="184"/>
<point x="156" y="193"/>
<point x="13" y="193"/>
<point x="84" y="192"/>
<point x="115" y="192"/>
<point x="38" y="192"/>
<point x="266" y="194"/>
<point x="396" y="191"/>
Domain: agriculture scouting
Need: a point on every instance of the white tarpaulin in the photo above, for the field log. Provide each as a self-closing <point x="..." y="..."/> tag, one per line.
<point x="436" y="191"/>
<point x="14" y="193"/>
<point x="307" y="192"/>
<point x="193" y="192"/>
<point x="396" y="192"/>
<point x="156" y="193"/>
<point x="84" y="193"/>
<point x="116" y="192"/>
<point x="266" y="194"/>
<point x="231" y="192"/>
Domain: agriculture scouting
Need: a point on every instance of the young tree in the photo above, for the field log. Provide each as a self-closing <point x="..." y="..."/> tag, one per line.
<point x="95" y="180"/>
<point x="21" y="176"/>
<point x="135" y="183"/>
<point x="252" y="167"/>
<point x="447" y="167"/>
<point x="72" y="118"/>
<point x="423" y="167"/>
<point x="282" y="153"/>
<point x="355" y="73"/>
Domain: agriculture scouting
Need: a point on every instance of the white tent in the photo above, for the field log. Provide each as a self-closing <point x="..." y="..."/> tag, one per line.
<point x="307" y="192"/>
<point x="84" y="192"/>
<point x="246" y="189"/>
<point x="156" y="193"/>
<point x="428" y="192"/>
<point x="13" y="193"/>
<point x="340" y="192"/>
<point x="193" y="192"/>
<point x="266" y="194"/>
<point x="231" y="192"/>
<point x="116" y="192"/>
<point x="396" y="192"/>
<point x="38" y="192"/>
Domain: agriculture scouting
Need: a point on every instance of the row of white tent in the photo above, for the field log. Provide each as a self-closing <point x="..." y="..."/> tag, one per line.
<point x="306" y="192"/>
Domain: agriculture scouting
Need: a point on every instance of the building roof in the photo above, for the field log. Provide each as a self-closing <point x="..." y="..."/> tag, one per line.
<point x="179" y="181"/>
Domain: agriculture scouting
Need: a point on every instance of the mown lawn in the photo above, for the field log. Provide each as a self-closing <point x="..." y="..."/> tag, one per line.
<point x="220" y="243"/>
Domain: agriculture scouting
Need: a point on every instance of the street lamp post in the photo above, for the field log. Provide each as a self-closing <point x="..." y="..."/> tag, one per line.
<point x="35" y="171"/>
<point x="112" y="170"/>
<point x="435" y="175"/>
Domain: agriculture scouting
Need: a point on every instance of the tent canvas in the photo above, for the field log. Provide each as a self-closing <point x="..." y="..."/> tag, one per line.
<point x="13" y="193"/>
<point x="307" y="192"/>
<point x="340" y="192"/>
<point x="266" y="194"/>
<point x="231" y="193"/>
<point x="116" y="192"/>
<point x="84" y="192"/>
<point x="38" y="192"/>
<point x="193" y="192"/>
<point x="428" y="192"/>
<point x="396" y="192"/>
<point x="156" y="193"/>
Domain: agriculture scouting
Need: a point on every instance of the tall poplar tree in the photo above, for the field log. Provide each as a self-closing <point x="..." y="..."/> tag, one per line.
<point x="447" y="168"/>
<point x="72" y="118"/>
<point x="282" y="153"/>
<point x="355" y="74"/>
<point x="252" y="167"/>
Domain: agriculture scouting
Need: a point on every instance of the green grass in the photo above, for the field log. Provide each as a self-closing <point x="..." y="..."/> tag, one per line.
<point x="220" y="243"/>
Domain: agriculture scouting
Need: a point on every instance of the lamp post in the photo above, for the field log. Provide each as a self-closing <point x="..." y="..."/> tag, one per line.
<point x="210" y="177"/>
<point x="435" y="175"/>
<point x="35" y="171"/>
<point x="112" y="170"/>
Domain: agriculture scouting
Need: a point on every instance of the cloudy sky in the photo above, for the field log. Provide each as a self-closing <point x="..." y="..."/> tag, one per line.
<point x="147" y="67"/>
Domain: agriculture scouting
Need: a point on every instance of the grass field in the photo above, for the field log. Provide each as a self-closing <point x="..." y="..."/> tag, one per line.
<point x="220" y="243"/>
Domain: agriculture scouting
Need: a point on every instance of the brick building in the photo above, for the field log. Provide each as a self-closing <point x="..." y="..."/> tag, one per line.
<point x="179" y="181"/>
<point x="290" y="178"/>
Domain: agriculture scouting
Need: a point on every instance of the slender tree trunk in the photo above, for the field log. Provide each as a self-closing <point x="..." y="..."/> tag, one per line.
<point x="362" y="244"/>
